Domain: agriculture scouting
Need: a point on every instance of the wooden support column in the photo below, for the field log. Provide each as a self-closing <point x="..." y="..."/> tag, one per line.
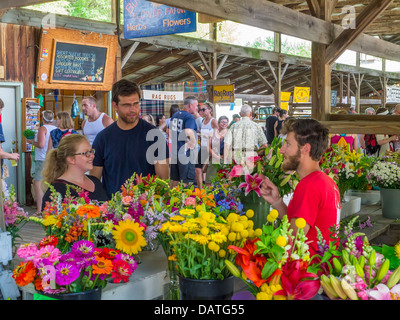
<point x="341" y="87"/>
<point x="384" y="91"/>
<point x="278" y="85"/>
<point x="320" y="69"/>
<point x="214" y="62"/>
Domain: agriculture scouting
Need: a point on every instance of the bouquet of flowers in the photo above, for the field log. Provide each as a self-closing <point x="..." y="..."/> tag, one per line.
<point x="83" y="268"/>
<point x="82" y="248"/>
<point x="15" y="217"/>
<point x="385" y="174"/>
<point x="199" y="240"/>
<point x="347" y="168"/>
<point x="358" y="272"/>
<point x="276" y="265"/>
<point x="247" y="176"/>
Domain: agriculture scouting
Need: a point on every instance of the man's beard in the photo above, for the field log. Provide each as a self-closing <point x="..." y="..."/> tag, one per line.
<point x="291" y="162"/>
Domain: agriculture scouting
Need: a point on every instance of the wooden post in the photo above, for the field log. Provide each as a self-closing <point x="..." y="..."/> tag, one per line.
<point x="321" y="82"/>
<point x="341" y="87"/>
<point x="320" y="69"/>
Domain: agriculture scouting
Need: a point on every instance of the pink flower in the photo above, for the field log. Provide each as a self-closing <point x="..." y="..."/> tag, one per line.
<point x="48" y="252"/>
<point x="236" y="171"/>
<point x="27" y="251"/>
<point x="104" y="208"/>
<point x="190" y="201"/>
<point x="382" y="292"/>
<point x="127" y="216"/>
<point x="126" y="200"/>
<point x="252" y="183"/>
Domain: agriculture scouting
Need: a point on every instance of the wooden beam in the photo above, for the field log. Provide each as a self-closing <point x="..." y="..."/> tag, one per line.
<point x="314" y="7"/>
<point x="205" y="64"/>
<point x="221" y="64"/>
<point x="348" y="36"/>
<point x="373" y="89"/>
<point x="194" y="71"/>
<point x="168" y="68"/>
<point x="153" y="59"/>
<point x="363" y="127"/>
<point x="129" y="53"/>
<point x="263" y="79"/>
<point x="274" y="17"/>
<point x="6" y="4"/>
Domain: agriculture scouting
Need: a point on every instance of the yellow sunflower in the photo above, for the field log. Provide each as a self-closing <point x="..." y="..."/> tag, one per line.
<point x="128" y="236"/>
<point x="397" y="249"/>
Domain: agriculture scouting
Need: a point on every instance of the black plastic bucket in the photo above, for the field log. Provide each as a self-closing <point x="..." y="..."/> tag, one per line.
<point x="194" y="289"/>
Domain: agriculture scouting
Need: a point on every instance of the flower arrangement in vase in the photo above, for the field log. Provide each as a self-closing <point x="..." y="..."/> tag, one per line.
<point x="82" y="248"/>
<point x="385" y="174"/>
<point x="81" y="269"/>
<point x="275" y="266"/>
<point x="358" y="271"/>
<point x="200" y="241"/>
<point x="349" y="169"/>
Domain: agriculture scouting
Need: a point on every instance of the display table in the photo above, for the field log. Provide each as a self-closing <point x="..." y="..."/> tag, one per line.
<point x="150" y="281"/>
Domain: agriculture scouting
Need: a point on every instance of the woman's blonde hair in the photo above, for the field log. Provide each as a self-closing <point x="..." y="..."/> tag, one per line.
<point x="66" y="121"/>
<point x="56" y="160"/>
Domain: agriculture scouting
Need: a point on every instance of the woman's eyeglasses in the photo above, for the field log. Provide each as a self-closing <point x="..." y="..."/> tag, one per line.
<point x="203" y="109"/>
<point x="87" y="153"/>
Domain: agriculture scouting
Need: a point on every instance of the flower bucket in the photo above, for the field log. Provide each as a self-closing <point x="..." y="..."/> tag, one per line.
<point x="194" y="289"/>
<point x="260" y="207"/>
<point x="94" y="294"/>
<point x="390" y="199"/>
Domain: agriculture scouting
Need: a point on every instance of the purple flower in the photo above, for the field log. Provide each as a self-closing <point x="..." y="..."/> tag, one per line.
<point x="66" y="273"/>
<point x="83" y="248"/>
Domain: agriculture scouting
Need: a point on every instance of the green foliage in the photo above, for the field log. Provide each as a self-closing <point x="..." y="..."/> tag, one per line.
<point x="302" y="49"/>
<point x="99" y="10"/>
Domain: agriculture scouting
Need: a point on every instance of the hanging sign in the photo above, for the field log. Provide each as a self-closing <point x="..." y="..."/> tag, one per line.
<point x="146" y="19"/>
<point x="223" y="94"/>
<point x="301" y="94"/>
<point x="163" y="95"/>
<point x="285" y="97"/>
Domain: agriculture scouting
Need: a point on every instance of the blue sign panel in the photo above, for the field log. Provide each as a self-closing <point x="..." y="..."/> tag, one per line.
<point x="333" y="98"/>
<point x="145" y="19"/>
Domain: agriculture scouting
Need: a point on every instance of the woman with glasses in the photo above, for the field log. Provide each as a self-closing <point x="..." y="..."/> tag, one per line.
<point x="67" y="165"/>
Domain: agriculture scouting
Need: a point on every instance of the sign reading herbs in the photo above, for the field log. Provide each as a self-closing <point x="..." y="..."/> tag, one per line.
<point x="78" y="63"/>
<point x="146" y="19"/>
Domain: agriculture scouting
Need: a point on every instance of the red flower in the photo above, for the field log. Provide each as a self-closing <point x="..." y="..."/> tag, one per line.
<point x="48" y="241"/>
<point x="297" y="283"/>
<point x="121" y="271"/>
<point x="252" y="264"/>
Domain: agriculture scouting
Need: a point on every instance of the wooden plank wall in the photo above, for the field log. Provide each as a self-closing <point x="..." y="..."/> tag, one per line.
<point x="18" y="54"/>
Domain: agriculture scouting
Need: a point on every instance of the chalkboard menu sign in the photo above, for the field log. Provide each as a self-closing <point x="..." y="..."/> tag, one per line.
<point x="78" y="63"/>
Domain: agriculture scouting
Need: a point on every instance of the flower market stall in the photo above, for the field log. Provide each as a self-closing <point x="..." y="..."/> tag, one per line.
<point x="152" y="241"/>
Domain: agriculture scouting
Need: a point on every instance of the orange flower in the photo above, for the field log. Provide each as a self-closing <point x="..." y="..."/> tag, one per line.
<point x="24" y="273"/>
<point x="143" y="202"/>
<point x="199" y="193"/>
<point x="103" y="266"/>
<point x="38" y="283"/>
<point x="90" y="211"/>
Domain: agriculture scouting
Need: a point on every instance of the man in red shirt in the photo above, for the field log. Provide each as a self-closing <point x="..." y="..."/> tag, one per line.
<point x="316" y="198"/>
